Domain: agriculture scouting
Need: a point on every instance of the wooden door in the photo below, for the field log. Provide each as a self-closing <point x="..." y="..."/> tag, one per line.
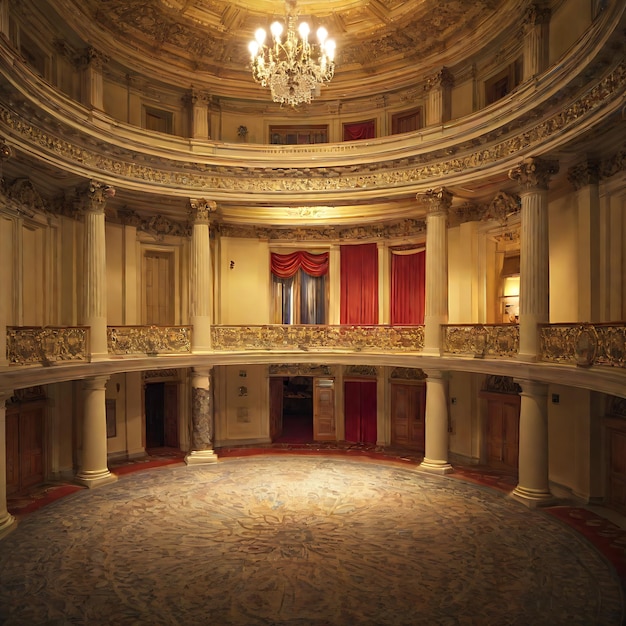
<point x="276" y="407"/>
<point x="24" y="446"/>
<point x="170" y="415"/>
<point x="324" y="409"/>
<point x="408" y="406"/>
<point x="159" y="288"/>
<point x="502" y="436"/>
<point x="616" y="479"/>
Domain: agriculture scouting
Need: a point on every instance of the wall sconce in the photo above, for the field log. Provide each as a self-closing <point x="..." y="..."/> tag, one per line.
<point x="232" y="265"/>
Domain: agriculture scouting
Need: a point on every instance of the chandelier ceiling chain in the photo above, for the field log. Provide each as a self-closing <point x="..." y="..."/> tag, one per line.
<point x="293" y="69"/>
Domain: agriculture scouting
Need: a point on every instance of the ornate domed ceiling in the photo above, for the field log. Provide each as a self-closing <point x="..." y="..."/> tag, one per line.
<point x="382" y="45"/>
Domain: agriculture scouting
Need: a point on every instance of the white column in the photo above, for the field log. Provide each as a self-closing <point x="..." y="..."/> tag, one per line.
<point x="334" y="273"/>
<point x="201" y="284"/>
<point x="94" y="470"/>
<point x="384" y="283"/>
<point x="202" y="434"/>
<point x="438" y="90"/>
<point x="437" y="203"/>
<point x="536" y="40"/>
<point x="533" y="487"/>
<point x="533" y="176"/>
<point x="95" y="301"/>
<point x="198" y="103"/>
<point x="7" y="521"/>
<point x="437" y="435"/>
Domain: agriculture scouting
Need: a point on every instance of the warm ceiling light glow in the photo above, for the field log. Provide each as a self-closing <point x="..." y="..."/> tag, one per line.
<point x="293" y="69"/>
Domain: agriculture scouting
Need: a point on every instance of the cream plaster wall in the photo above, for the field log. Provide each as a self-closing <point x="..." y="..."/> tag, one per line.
<point x="116" y="100"/>
<point x="33" y="288"/>
<point x="61" y="400"/>
<point x="115" y="274"/>
<point x="567" y="23"/>
<point x="7" y="271"/>
<point x="563" y="258"/>
<point x="463" y="279"/>
<point x="241" y="404"/>
<point x="463" y="406"/>
<point x="463" y="99"/>
<point x="574" y="439"/>
<point x="244" y="289"/>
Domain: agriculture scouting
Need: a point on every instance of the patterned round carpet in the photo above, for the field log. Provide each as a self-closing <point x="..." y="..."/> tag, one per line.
<point x="299" y="541"/>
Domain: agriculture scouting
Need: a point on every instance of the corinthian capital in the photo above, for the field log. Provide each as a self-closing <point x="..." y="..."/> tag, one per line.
<point x="435" y="200"/>
<point x="534" y="173"/>
<point x="443" y="78"/>
<point x="96" y="195"/>
<point x="194" y="97"/>
<point x="536" y="14"/>
<point x="90" y="57"/>
<point x="201" y="209"/>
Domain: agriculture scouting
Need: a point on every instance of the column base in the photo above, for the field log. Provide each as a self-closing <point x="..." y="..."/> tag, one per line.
<point x="201" y="457"/>
<point x="532" y="498"/>
<point x="7" y="524"/>
<point x="436" y="467"/>
<point x="95" y="479"/>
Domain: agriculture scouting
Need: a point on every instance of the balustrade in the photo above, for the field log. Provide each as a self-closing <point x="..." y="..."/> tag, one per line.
<point x="481" y="340"/>
<point x="149" y="340"/>
<point x="28" y="345"/>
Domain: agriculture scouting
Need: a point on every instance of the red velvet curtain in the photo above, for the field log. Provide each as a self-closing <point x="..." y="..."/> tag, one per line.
<point x="359" y="284"/>
<point x="408" y="288"/>
<point x="360" y="411"/>
<point x="286" y="265"/>
<point x="359" y="130"/>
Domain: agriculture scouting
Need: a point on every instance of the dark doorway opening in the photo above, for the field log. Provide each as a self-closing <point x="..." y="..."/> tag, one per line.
<point x="161" y="407"/>
<point x="297" y="410"/>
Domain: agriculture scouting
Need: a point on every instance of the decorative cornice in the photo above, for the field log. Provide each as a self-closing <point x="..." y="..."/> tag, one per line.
<point x="532" y="174"/>
<point x="158" y="226"/>
<point x="300" y="369"/>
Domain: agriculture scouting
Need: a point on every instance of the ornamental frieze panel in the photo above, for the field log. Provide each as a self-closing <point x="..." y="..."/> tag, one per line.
<point x="34" y="345"/>
<point x="481" y="340"/>
<point x="407" y="373"/>
<point x="367" y="371"/>
<point x="300" y="369"/>
<point x="413" y="169"/>
<point x="149" y="340"/>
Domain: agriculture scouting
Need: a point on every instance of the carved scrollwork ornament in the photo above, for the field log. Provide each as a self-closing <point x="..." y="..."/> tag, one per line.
<point x="90" y="57"/>
<point x="201" y="209"/>
<point x="535" y="15"/>
<point x="443" y="78"/>
<point x="584" y="174"/>
<point x="196" y="97"/>
<point x="502" y="207"/>
<point x="435" y="201"/>
<point x="534" y="173"/>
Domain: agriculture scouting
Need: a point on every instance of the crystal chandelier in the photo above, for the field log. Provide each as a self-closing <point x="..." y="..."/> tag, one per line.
<point x="292" y="68"/>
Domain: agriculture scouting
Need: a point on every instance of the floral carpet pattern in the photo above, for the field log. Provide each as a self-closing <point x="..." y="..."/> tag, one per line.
<point x="299" y="541"/>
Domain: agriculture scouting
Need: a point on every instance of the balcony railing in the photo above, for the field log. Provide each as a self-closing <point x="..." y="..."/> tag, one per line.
<point x="481" y="340"/>
<point x="314" y="337"/>
<point x="584" y="344"/>
<point x="29" y="345"/>
<point x="149" y="340"/>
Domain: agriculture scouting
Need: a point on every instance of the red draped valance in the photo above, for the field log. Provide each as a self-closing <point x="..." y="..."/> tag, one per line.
<point x="286" y="265"/>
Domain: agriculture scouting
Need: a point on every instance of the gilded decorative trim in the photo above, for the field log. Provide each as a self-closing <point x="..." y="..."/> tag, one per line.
<point x="407" y="373"/>
<point x="28" y="345"/>
<point x="165" y="373"/>
<point x="305" y="338"/>
<point x="369" y="371"/>
<point x="300" y="369"/>
<point x="481" y="340"/>
<point x="501" y="384"/>
<point x="584" y="344"/>
<point x="149" y="339"/>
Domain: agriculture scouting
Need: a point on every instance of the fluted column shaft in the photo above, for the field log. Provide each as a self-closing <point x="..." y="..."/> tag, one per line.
<point x="533" y="486"/>
<point x="437" y="436"/>
<point x="536" y="40"/>
<point x="94" y="470"/>
<point x="201" y="284"/>
<point x="201" y="418"/>
<point x="93" y="81"/>
<point x="95" y="301"/>
<point x="533" y="176"/>
<point x="6" y="519"/>
<point x="436" y="302"/>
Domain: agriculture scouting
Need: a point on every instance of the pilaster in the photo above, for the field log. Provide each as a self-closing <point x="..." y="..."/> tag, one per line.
<point x="201" y="283"/>
<point x="437" y="203"/>
<point x="438" y="90"/>
<point x="198" y="106"/>
<point x="536" y="40"/>
<point x="202" y="418"/>
<point x="91" y="63"/>
<point x="533" y="176"/>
